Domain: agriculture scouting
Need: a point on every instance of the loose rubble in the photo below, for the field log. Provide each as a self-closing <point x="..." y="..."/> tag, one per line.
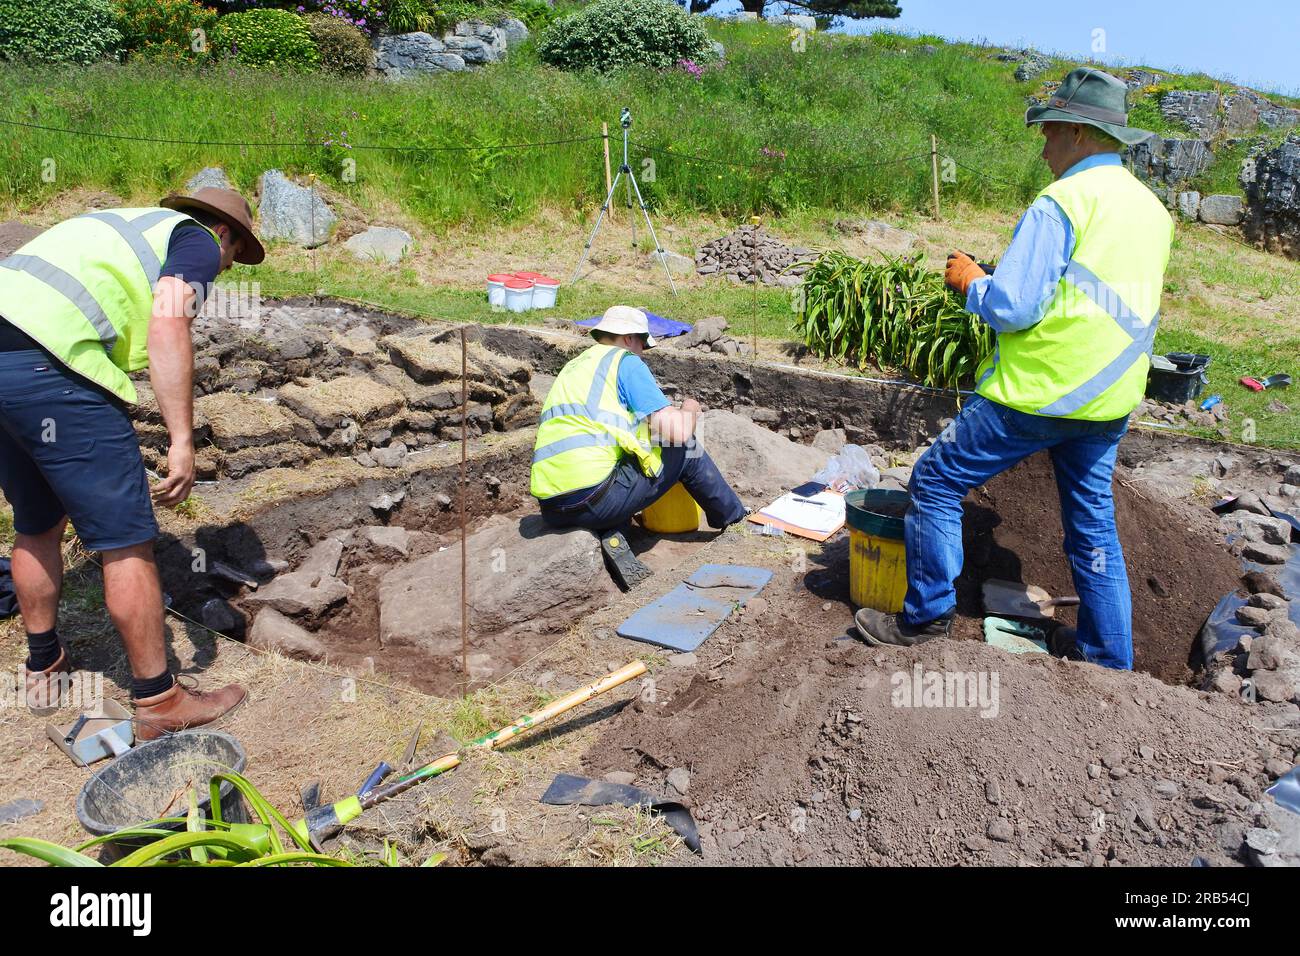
<point x="748" y="252"/>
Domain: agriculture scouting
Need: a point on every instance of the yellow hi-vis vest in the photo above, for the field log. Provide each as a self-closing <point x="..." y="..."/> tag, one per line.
<point x="84" y="290"/>
<point x="585" y="430"/>
<point x="1088" y="357"/>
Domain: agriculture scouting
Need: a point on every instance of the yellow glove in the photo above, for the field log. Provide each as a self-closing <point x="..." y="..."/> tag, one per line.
<point x="961" y="272"/>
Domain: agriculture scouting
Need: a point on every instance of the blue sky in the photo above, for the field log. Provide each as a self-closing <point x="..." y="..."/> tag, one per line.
<point x="1254" y="42"/>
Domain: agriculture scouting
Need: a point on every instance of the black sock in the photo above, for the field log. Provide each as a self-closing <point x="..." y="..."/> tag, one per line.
<point x="151" y="686"/>
<point x="43" y="649"/>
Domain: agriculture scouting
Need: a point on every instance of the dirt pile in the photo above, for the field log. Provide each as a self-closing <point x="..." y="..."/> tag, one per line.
<point x="281" y="387"/>
<point x="804" y="747"/>
<point x="1178" y="567"/>
<point x="750" y="252"/>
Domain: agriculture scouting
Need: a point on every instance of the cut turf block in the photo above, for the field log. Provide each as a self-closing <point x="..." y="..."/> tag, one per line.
<point x="685" y="617"/>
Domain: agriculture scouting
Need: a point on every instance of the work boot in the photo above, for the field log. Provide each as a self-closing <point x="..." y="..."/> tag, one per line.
<point x="626" y="568"/>
<point x="1062" y="642"/>
<point x="881" y="629"/>
<point x="181" y="707"/>
<point x="46" y="690"/>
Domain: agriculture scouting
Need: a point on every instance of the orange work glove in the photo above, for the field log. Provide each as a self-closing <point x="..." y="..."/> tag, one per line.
<point x="961" y="272"/>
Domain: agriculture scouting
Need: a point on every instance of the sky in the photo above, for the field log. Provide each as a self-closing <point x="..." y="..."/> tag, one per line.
<point x="1252" y="42"/>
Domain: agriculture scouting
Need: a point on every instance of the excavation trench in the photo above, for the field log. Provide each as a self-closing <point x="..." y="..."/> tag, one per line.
<point x="355" y="548"/>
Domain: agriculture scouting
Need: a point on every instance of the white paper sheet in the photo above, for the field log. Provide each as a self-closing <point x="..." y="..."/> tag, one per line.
<point x="822" y="512"/>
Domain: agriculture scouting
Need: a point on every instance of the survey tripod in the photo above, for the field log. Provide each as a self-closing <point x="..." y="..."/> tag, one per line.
<point x="625" y="169"/>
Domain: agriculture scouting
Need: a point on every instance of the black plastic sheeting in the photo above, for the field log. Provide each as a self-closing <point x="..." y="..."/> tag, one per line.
<point x="1221" y="632"/>
<point x="566" y="790"/>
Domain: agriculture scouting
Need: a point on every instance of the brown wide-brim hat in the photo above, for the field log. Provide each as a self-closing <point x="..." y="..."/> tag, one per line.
<point x="232" y="209"/>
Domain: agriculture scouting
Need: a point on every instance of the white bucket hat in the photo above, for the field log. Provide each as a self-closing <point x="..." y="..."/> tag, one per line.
<point x="625" y="320"/>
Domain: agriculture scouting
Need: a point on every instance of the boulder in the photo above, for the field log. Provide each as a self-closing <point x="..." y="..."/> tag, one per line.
<point x="513" y="30"/>
<point x="1256" y="527"/>
<point x="385" y="542"/>
<point x="1170" y="161"/>
<point x="706" y="331"/>
<point x="798" y="20"/>
<point x="209" y="177"/>
<point x="1031" y="67"/>
<point x="301" y="594"/>
<point x="471" y="49"/>
<point x="413" y="54"/>
<point x="1272" y="182"/>
<point x="272" y="631"/>
<point x="1198" y="110"/>
<point x="291" y="212"/>
<point x="1223" y="209"/>
<point x="1188" y="203"/>
<point x="380" y="244"/>
<point x="754" y="460"/>
<point x="521" y="574"/>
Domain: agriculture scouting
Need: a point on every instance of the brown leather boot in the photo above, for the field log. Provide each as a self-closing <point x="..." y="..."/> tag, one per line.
<point x="47" y="689"/>
<point x="180" y="708"/>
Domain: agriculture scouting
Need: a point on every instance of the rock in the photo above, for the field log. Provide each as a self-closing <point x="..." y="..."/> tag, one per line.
<point x="1141" y="79"/>
<point x="412" y="54"/>
<point x="679" y="778"/>
<point x="1276" y="686"/>
<point x="218" y="615"/>
<point x="311" y="589"/>
<point x="323" y="559"/>
<point x="1261" y="582"/>
<point x="380" y="244"/>
<point x="1292" y="475"/>
<point x="623" y="777"/>
<point x="1170" y="161"/>
<point x="1001" y="830"/>
<point x="1189" y="204"/>
<point x="677" y="263"/>
<point x="514" y="31"/>
<point x="291" y="212"/>
<point x="1222" y="209"/>
<point x="390" y="456"/>
<point x="798" y="20"/>
<point x="1265" y="553"/>
<point x="1256" y="527"/>
<point x="386" y="542"/>
<point x="1272" y="211"/>
<point x="719" y="51"/>
<point x="474" y="51"/>
<point x="1032" y="67"/>
<point x="682" y="660"/>
<point x="1252" y="616"/>
<point x="1225" y="682"/>
<point x="1246" y="501"/>
<point x="706" y="331"/>
<point x="209" y="177"/>
<point x="830" y="440"/>
<point x="1198" y="110"/>
<point x="272" y="631"/>
<point x="521" y="572"/>
<point x="1269" y="602"/>
<point x="992" y="792"/>
<point x="385" y="504"/>
<point x="751" y="457"/>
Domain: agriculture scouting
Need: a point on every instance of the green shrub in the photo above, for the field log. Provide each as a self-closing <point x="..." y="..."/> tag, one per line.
<point x="164" y="29"/>
<point x="274" y="38"/>
<point x="57" y="31"/>
<point x="609" y="35"/>
<point x="343" y="48"/>
<point x="409" y="16"/>
<point x="536" y="14"/>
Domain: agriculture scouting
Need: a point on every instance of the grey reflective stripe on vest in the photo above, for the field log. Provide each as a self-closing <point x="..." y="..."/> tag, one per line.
<point x="591" y="410"/>
<point x="132" y="233"/>
<point x="1142" y="334"/>
<point x="572" y="442"/>
<point x="67" y="286"/>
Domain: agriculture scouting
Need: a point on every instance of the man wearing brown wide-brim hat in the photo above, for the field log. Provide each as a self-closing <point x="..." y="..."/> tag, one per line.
<point x="86" y="302"/>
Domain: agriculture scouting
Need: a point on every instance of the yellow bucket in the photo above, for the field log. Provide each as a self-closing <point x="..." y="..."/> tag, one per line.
<point x="674" y="513"/>
<point x="877" y="555"/>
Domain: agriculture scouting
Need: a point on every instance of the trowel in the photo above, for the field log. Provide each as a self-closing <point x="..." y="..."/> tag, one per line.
<point x="1014" y="599"/>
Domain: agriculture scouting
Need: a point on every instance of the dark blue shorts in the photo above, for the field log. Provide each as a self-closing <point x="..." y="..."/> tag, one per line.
<point x="68" y="448"/>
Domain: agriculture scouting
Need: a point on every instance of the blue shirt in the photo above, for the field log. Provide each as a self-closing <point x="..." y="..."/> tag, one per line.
<point x="637" y="388"/>
<point x="1016" y="296"/>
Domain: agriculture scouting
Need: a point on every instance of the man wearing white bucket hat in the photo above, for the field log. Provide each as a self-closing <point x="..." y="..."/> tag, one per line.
<point x="609" y="444"/>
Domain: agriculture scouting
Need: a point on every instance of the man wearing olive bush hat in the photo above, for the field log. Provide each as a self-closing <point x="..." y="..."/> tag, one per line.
<point x="1075" y="301"/>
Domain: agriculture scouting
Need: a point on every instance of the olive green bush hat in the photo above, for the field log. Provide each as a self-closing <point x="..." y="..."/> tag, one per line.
<point x="1092" y="97"/>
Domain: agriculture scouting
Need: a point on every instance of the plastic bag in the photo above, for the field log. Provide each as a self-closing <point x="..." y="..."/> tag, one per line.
<point x="850" y="469"/>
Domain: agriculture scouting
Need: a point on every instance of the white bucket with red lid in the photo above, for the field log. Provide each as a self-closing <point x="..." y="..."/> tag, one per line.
<point x="496" y="289"/>
<point x="544" y="290"/>
<point x="518" y="294"/>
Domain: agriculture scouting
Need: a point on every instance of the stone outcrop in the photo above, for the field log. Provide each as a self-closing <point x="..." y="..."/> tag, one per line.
<point x="1169" y="162"/>
<point x="470" y="44"/>
<point x="1272" y="183"/>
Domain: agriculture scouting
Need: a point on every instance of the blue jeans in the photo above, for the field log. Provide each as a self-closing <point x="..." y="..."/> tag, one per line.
<point x="986" y="439"/>
<point x="631" y="491"/>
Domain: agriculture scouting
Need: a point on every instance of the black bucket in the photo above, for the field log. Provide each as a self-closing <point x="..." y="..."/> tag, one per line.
<point x="1181" y="383"/>
<point x="138" y="786"/>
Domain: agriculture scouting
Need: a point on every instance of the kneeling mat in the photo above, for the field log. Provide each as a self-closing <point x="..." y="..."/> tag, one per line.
<point x="684" y="617"/>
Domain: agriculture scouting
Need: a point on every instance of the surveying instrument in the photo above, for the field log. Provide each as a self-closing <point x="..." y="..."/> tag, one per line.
<point x="625" y="120"/>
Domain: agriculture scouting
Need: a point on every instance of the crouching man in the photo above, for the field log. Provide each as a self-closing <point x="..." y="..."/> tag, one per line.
<point x="609" y="444"/>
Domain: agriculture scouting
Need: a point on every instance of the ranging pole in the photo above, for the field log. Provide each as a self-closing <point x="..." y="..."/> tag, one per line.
<point x="464" y="493"/>
<point x="604" y="135"/>
<point x="934" y="171"/>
